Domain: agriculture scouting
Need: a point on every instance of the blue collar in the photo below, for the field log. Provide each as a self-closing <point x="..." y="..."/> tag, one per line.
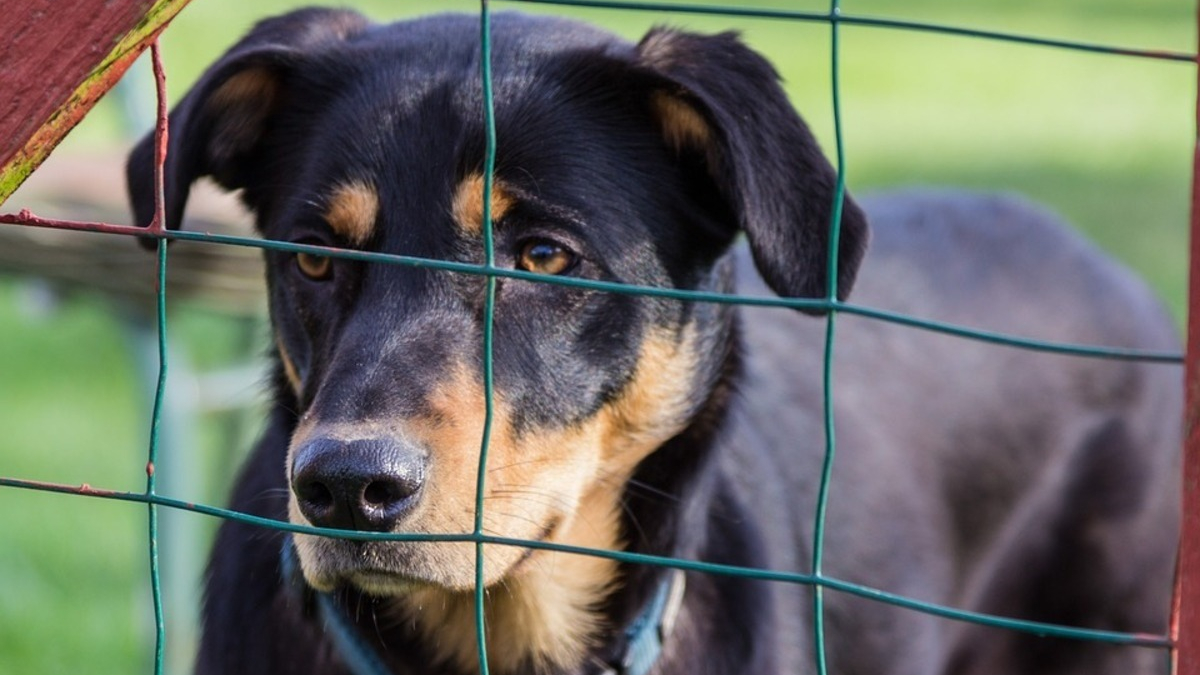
<point x="644" y="637"/>
<point x="359" y="656"/>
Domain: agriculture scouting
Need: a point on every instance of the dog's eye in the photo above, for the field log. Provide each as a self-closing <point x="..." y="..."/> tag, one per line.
<point x="313" y="266"/>
<point x="545" y="257"/>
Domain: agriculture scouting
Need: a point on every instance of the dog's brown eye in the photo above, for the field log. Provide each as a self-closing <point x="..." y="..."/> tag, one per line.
<point x="313" y="266"/>
<point x="544" y="257"/>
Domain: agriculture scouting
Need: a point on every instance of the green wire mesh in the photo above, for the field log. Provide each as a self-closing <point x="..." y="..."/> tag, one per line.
<point x="830" y="304"/>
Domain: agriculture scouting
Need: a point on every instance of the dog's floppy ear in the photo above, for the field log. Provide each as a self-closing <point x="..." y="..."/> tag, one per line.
<point x="216" y="129"/>
<point x="724" y="102"/>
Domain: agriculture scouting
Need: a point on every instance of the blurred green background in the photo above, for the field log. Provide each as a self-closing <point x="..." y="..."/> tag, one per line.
<point x="1104" y="140"/>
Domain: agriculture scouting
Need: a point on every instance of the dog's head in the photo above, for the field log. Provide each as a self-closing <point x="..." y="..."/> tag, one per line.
<point x="616" y="162"/>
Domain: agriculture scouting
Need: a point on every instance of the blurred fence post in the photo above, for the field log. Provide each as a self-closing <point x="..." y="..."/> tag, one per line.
<point x="1185" y="623"/>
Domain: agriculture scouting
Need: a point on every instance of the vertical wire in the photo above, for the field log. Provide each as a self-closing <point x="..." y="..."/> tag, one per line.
<point x="835" y="227"/>
<point x="489" y="165"/>
<point x="160" y="288"/>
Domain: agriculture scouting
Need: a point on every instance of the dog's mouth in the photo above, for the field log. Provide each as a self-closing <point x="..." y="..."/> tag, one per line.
<point x="381" y="568"/>
<point x="390" y="568"/>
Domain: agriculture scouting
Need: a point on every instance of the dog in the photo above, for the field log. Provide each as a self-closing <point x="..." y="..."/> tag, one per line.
<point x="991" y="479"/>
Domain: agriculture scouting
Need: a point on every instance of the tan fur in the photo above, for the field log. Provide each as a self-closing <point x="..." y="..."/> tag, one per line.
<point x="467" y="205"/>
<point x="655" y="405"/>
<point x="561" y="485"/>
<point x="352" y="210"/>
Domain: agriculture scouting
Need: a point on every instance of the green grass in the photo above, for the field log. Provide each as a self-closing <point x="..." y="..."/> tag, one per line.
<point x="1105" y="141"/>
<point x="70" y="569"/>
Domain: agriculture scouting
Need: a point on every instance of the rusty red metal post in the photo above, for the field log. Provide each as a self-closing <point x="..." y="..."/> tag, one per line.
<point x="59" y="59"/>
<point x="1185" y="618"/>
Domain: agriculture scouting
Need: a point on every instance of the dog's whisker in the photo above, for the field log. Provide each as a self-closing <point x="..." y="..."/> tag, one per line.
<point x="641" y="487"/>
<point x="505" y="492"/>
<point x="269" y="494"/>
<point x="376" y="624"/>
<point x="508" y="516"/>
<point x="539" y="498"/>
<point x="511" y="465"/>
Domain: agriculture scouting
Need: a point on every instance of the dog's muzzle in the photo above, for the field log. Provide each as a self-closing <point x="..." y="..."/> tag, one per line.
<point x="364" y="484"/>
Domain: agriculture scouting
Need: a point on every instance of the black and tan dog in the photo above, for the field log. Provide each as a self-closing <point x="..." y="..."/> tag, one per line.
<point x="991" y="479"/>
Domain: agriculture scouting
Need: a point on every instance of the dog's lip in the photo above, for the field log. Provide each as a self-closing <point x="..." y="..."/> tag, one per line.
<point x="382" y="579"/>
<point x="378" y="581"/>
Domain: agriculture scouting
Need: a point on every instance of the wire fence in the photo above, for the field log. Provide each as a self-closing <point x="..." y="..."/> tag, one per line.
<point x="820" y="582"/>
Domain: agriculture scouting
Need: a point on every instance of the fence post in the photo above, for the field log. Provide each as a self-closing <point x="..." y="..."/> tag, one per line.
<point x="1185" y="620"/>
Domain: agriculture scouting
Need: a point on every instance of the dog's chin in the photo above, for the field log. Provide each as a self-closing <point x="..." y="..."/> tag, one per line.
<point x="385" y="584"/>
<point x="375" y="582"/>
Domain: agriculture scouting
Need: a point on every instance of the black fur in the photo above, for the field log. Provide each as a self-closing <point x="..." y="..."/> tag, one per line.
<point x="990" y="479"/>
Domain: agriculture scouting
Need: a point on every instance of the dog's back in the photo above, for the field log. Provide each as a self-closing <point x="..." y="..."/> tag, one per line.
<point x="979" y="476"/>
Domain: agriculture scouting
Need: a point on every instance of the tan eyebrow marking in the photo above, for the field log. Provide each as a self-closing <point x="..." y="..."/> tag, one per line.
<point x="352" y="211"/>
<point x="467" y="206"/>
<point x="252" y="88"/>
<point x="289" y="368"/>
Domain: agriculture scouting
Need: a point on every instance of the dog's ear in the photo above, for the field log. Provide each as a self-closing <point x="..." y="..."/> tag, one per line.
<point x="723" y="103"/>
<point x="217" y="128"/>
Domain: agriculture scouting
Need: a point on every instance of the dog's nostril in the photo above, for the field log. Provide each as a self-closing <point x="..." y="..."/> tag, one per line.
<point x="383" y="493"/>
<point x="314" y="494"/>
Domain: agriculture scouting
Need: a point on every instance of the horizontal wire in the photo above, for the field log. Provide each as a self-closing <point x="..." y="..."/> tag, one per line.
<point x="808" y="304"/>
<point x="860" y="590"/>
<point x="874" y="22"/>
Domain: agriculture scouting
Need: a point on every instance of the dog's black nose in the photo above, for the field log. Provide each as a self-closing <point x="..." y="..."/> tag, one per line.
<point x="367" y="484"/>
